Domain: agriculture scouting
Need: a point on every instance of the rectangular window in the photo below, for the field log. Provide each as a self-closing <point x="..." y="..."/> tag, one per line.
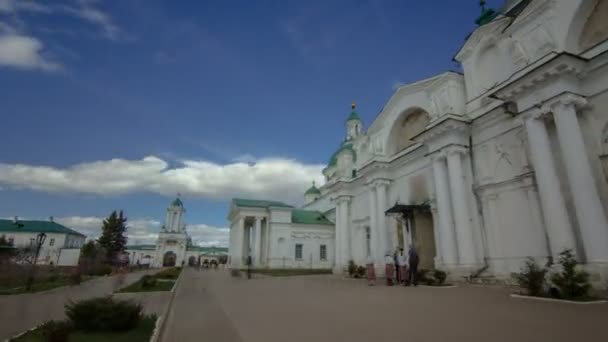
<point x="323" y="252"/>
<point x="11" y="241"/>
<point x="299" y="251"/>
<point x="52" y="242"/>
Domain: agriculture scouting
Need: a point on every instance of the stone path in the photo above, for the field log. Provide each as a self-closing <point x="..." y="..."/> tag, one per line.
<point x="24" y="311"/>
<point x="212" y="306"/>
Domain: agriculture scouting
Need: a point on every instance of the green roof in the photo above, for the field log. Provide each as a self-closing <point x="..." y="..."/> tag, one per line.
<point x="345" y="147"/>
<point x="177" y="203"/>
<point x="353" y="116"/>
<point x="309" y="217"/>
<point x="251" y="203"/>
<point x="141" y="247"/>
<point x="313" y="190"/>
<point x="208" y="249"/>
<point x="35" y="226"/>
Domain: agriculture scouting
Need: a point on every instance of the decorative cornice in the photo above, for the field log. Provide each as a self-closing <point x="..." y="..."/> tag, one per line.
<point x="449" y="125"/>
<point x="557" y="66"/>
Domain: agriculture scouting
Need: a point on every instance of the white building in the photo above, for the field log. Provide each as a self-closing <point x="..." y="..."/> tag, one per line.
<point x="173" y="246"/>
<point x="504" y="161"/>
<point x="276" y="235"/>
<point x="61" y="246"/>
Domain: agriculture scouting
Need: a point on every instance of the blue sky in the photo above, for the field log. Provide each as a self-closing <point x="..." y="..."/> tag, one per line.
<point x="121" y="104"/>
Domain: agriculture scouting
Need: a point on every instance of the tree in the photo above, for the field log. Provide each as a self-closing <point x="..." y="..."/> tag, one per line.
<point x="113" y="238"/>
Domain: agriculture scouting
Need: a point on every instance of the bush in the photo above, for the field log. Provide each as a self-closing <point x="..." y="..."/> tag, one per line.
<point x="422" y="277"/>
<point x="352" y="269"/>
<point x="235" y="273"/>
<point x="572" y="283"/>
<point x="148" y="281"/>
<point x="361" y="272"/>
<point x="99" y="270"/>
<point x="169" y="273"/>
<point x="531" y="278"/>
<point x="103" y="314"/>
<point x="56" y="331"/>
<point x="440" y="277"/>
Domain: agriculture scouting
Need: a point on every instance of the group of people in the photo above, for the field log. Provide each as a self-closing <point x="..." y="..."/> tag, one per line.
<point x="400" y="268"/>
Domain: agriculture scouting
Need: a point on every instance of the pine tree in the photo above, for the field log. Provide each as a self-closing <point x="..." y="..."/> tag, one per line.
<point x="113" y="239"/>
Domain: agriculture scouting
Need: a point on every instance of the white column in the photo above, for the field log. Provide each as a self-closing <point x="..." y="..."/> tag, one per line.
<point x="436" y="235"/>
<point x="376" y="252"/>
<point x="237" y="253"/>
<point x="258" y="242"/>
<point x="557" y="222"/>
<point x="338" y="239"/>
<point x="449" y="251"/>
<point x="589" y="210"/>
<point x="382" y="229"/>
<point x="345" y="244"/>
<point x="464" y="227"/>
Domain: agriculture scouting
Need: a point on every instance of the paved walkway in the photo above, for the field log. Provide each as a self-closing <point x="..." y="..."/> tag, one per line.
<point x="212" y="306"/>
<point x="24" y="311"/>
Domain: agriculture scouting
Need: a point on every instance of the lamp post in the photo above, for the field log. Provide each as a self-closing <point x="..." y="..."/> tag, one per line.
<point x="40" y="238"/>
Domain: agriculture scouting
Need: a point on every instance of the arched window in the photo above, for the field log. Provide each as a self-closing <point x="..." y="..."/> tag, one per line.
<point x="409" y="125"/>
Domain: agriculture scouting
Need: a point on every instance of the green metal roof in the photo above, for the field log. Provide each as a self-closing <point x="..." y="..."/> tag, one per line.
<point x="177" y="203"/>
<point x="35" y="226"/>
<point x="309" y="217"/>
<point x="353" y="116"/>
<point x="251" y="203"/>
<point x="141" y="247"/>
<point x="313" y="190"/>
<point x="208" y="249"/>
<point x="345" y="147"/>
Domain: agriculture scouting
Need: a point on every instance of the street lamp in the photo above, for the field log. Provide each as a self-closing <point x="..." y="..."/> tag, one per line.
<point x="40" y="238"/>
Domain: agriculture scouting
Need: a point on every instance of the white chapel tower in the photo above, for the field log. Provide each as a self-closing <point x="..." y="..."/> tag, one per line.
<point x="172" y="238"/>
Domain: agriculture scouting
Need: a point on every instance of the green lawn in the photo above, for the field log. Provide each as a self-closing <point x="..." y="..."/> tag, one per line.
<point x="166" y="285"/>
<point x="141" y="333"/>
<point x="288" y="272"/>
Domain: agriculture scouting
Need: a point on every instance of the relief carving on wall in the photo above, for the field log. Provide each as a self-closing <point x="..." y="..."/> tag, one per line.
<point x="503" y="158"/>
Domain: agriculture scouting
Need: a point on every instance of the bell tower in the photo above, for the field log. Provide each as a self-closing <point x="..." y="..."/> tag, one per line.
<point x="175" y="216"/>
<point x="354" y="125"/>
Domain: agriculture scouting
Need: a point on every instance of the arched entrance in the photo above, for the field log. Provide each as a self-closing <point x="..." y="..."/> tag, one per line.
<point x="191" y="261"/>
<point x="169" y="259"/>
<point x="415" y="228"/>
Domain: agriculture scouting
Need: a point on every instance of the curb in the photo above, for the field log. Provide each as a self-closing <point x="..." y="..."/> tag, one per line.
<point x="23" y="333"/>
<point x="439" y="287"/>
<point x="542" y="299"/>
<point x="159" y="329"/>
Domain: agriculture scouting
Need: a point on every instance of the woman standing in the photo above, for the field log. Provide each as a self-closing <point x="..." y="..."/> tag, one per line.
<point x="389" y="269"/>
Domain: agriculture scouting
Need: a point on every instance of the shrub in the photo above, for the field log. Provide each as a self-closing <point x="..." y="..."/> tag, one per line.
<point x="422" y="277"/>
<point x="103" y="314"/>
<point x="148" y="281"/>
<point x="352" y="269"/>
<point x="99" y="270"/>
<point x="56" y="331"/>
<point x="235" y="273"/>
<point x="361" y="272"/>
<point x="75" y="278"/>
<point x="571" y="282"/>
<point x="440" y="277"/>
<point x="531" y="278"/>
<point x="169" y="273"/>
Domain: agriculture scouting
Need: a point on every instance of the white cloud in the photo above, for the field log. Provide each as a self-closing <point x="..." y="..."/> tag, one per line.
<point x="87" y="11"/>
<point x="145" y="231"/>
<point x="274" y="178"/>
<point x="12" y="6"/>
<point x="24" y="52"/>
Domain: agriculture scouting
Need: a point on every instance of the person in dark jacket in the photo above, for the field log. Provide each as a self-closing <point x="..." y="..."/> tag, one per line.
<point x="413" y="263"/>
<point x="249" y="262"/>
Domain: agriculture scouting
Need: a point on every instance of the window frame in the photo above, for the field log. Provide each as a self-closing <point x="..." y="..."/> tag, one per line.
<point x="301" y="246"/>
<point x="323" y="252"/>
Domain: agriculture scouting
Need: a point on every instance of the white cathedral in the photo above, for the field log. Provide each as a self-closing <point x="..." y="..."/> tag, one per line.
<point x="479" y="169"/>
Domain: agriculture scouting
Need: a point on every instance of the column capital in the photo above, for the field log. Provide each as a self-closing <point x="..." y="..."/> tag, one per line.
<point x="567" y="100"/>
<point x="456" y="149"/>
<point x="378" y="182"/>
<point x="343" y="199"/>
